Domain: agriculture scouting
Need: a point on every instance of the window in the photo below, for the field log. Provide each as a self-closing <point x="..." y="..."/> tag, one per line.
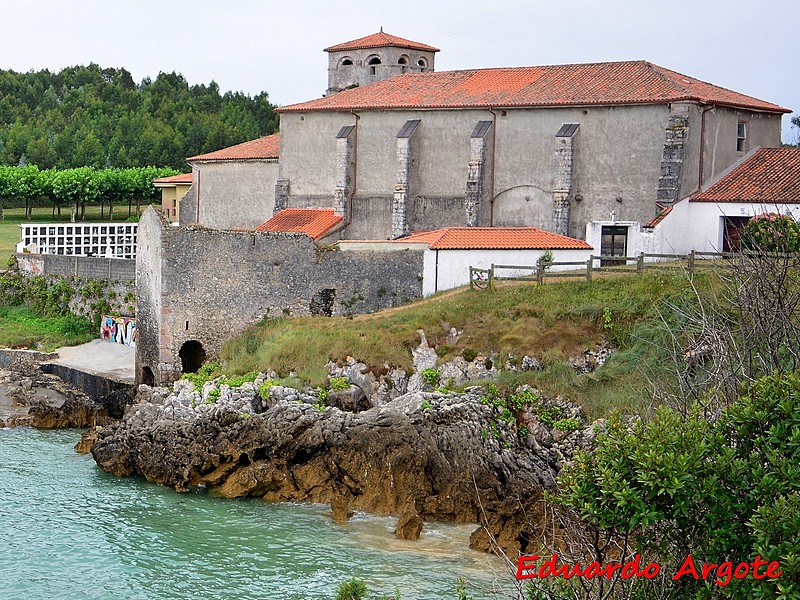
<point x="403" y="62"/>
<point x="373" y="62"/>
<point x="422" y="64"/>
<point x="741" y="137"/>
<point x="347" y="62"/>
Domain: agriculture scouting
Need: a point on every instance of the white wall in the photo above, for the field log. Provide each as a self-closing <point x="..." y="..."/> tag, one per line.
<point x="698" y="225"/>
<point x="447" y="269"/>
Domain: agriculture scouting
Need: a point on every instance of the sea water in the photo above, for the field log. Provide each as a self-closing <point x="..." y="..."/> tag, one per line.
<point x="70" y="531"/>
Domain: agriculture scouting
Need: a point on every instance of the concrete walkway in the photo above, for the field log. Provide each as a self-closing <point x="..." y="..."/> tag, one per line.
<point x="100" y="357"/>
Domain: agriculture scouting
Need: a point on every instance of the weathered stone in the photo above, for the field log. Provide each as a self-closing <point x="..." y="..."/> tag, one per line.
<point x="409" y="525"/>
<point x="422" y="450"/>
<point x="531" y="363"/>
<point x="340" y="509"/>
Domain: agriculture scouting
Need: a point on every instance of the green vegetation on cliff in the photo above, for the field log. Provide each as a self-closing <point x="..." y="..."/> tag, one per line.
<point x="551" y="323"/>
<point x="36" y="315"/>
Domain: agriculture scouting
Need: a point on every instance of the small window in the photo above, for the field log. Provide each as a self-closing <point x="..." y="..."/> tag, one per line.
<point x="422" y="64"/>
<point x="403" y="62"/>
<point x="347" y="62"/>
<point x="741" y="137"/>
<point x="373" y="62"/>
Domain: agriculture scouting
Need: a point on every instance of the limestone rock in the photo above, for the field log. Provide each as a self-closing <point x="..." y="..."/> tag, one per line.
<point x="409" y="525"/>
<point x="426" y="450"/>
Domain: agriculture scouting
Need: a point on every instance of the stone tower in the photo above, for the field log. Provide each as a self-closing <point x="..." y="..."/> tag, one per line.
<point x="375" y="57"/>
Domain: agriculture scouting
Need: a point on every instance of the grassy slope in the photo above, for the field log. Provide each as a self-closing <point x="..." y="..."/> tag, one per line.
<point x="21" y="327"/>
<point x="551" y="322"/>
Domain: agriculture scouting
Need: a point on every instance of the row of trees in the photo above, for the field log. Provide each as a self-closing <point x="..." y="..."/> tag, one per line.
<point x="27" y="186"/>
<point x="88" y="116"/>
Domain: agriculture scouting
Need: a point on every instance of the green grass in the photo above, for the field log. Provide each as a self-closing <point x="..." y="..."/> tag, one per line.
<point x="14" y="217"/>
<point x="21" y="327"/>
<point x="552" y="322"/>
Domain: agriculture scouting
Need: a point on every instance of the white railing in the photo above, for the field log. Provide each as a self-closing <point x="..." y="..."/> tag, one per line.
<point x="109" y="240"/>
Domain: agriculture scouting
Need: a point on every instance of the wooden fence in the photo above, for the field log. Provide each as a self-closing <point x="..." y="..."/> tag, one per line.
<point x="485" y="278"/>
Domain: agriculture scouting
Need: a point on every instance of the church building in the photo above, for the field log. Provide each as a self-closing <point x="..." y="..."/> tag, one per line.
<point x="396" y="147"/>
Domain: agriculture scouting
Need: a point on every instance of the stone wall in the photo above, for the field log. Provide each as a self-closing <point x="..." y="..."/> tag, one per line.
<point x="77" y="266"/>
<point x="99" y="285"/>
<point x="203" y="285"/>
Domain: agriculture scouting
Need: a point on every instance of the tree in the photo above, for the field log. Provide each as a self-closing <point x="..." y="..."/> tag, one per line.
<point x="681" y="485"/>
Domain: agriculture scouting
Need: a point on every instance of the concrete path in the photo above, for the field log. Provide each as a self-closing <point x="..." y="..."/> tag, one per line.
<point x="100" y="357"/>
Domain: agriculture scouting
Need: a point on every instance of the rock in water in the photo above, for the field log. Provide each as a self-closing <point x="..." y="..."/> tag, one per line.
<point x="426" y="450"/>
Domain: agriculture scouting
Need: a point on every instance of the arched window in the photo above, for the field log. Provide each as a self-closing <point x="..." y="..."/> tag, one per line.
<point x="422" y="64"/>
<point x="403" y="62"/>
<point x="346" y="62"/>
<point x="373" y="62"/>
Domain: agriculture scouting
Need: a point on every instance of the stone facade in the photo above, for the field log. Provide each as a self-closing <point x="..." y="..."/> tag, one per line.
<point x="85" y="267"/>
<point x="205" y="286"/>
<point x="669" y="183"/>
<point x="350" y="68"/>
<point x="230" y="194"/>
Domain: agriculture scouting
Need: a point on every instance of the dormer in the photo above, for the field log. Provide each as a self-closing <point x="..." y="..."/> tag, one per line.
<point x="375" y="57"/>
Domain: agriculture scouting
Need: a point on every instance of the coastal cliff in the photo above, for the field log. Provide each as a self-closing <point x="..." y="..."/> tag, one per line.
<point x="422" y="456"/>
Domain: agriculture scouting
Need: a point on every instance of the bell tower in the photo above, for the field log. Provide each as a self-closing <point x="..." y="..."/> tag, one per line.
<point x="375" y="57"/>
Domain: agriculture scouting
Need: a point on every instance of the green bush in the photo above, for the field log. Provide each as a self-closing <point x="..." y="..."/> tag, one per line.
<point x="263" y="390"/>
<point x="430" y="376"/>
<point x="772" y="233"/>
<point x="354" y="589"/>
<point x="723" y="491"/>
<point x="339" y="384"/>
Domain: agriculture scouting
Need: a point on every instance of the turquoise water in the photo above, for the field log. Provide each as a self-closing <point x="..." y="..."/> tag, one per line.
<point x="69" y="531"/>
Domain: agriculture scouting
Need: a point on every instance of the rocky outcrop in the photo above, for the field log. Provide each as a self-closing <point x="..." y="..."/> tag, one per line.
<point x="423" y="456"/>
<point x="30" y="398"/>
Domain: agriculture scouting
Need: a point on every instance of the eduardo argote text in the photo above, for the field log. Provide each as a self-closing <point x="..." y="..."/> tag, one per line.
<point x="721" y="574"/>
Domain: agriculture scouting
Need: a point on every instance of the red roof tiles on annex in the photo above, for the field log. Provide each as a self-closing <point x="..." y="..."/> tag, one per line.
<point x="314" y="222"/>
<point x="770" y="175"/>
<point x="612" y="83"/>
<point x="263" y="148"/>
<point x="378" y="40"/>
<point x="495" y="238"/>
<point x="182" y="178"/>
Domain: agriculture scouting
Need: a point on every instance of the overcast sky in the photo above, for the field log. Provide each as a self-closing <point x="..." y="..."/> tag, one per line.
<point x="750" y="46"/>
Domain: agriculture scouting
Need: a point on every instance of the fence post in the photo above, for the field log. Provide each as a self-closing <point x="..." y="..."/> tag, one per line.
<point x="491" y="277"/>
<point x="471" y="278"/>
<point x="589" y="266"/>
<point x="539" y="273"/>
<point x="691" y="262"/>
<point x="640" y="262"/>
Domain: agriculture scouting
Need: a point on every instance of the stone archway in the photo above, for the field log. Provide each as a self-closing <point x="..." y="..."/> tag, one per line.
<point x="147" y="377"/>
<point x="192" y="355"/>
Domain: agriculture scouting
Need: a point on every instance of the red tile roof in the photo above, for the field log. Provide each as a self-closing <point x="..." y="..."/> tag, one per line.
<point x="770" y="175"/>
<point x="378" y="40"/>
<point x="633" y="82"/>
<point x="182" y="178"/>
<point x="658" y="218"/>
<point x="262" y="148"/>
<point x="315" y="222"/>
<point x="495" y="238"/>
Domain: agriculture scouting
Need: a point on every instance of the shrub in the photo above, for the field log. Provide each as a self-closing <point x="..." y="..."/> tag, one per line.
<point x="772" y="233"/>
<point x="263" y="390"/>
<point x="468" y="354"/>
<point x="354" y="589"/>
<point x="339" y="384"/>
<point x="430" y="376"/>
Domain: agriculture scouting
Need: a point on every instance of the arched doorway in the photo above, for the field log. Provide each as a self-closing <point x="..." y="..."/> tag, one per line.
<point x="146" y="377"/>
<point x="192" y="355"/>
